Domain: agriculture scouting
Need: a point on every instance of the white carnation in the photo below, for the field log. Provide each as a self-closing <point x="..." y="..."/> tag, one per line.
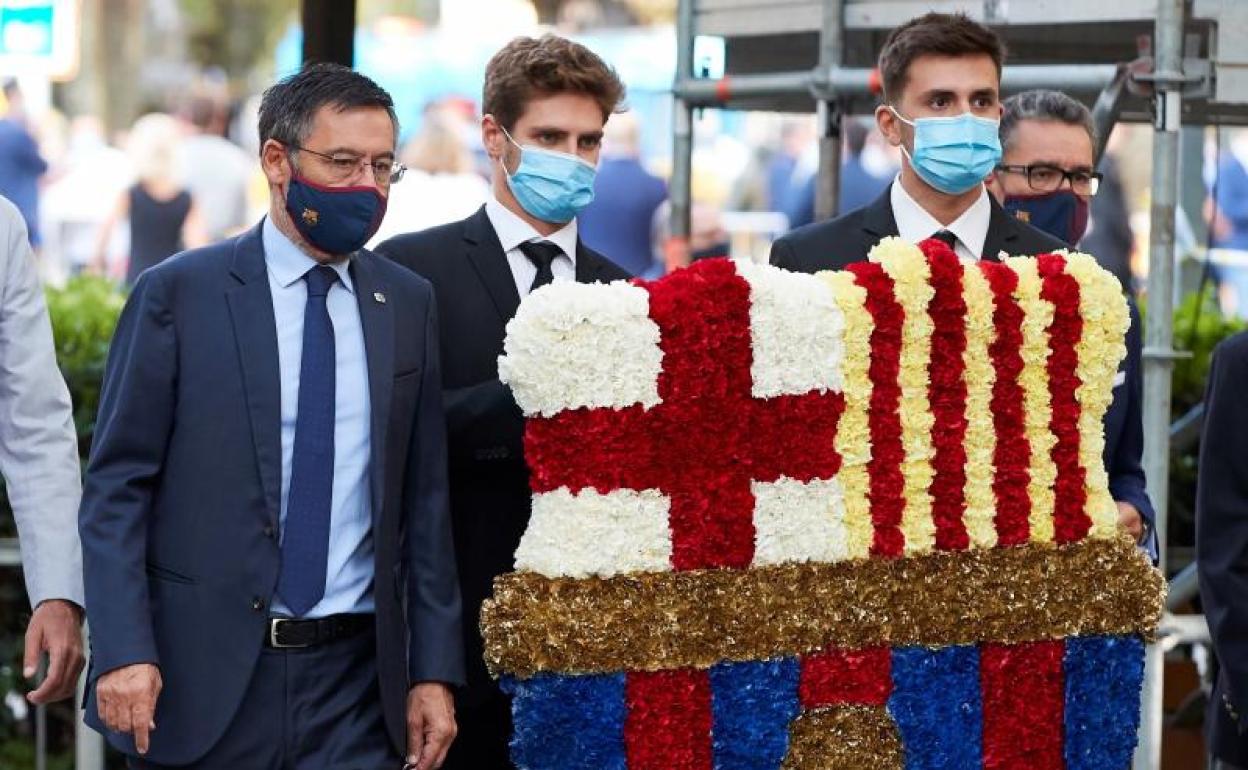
<point x="576" y="345"/>
<point x="594" y="534"/>
<point x="797" y="332"/>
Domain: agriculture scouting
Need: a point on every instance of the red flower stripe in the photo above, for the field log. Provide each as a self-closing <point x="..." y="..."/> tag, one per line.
<point x="708" y="439"/>
<point x="1070" y="518"/>
<point x="836" y="677"/>
<point x="884" y="469"/>
<point x="668" y="720"/>
<point x="947" y="395"/>
<point x="1023" y="701"/>
<point x="1012" y="456"/>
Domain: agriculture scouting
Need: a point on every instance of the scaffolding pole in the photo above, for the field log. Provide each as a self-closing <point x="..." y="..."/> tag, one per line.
<point x="680" y="189"/>
<point x="828" y="111"/>
<point x="1168" y="83"/>
<point x="835" y="81"/>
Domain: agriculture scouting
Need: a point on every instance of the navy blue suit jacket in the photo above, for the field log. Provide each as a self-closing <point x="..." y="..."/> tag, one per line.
<point x="180" y="508"/>
<point x="1124" y="434"/>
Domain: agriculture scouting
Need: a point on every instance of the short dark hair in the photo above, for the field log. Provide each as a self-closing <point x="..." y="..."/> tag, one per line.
<point x="1044" y="104"/>
<point x="529" y="68"/>
<point x="934" y="34"/>
<point x="289" y="106"/>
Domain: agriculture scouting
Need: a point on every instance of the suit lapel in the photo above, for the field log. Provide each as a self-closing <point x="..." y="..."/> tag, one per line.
<point x="1002" y="233"/>
<point x="377" y="321"/>
<point x="588" y="266"/>
<point x="485" y="252"/>
<point x="255" y="334"/>
<point x="878" y="220"/>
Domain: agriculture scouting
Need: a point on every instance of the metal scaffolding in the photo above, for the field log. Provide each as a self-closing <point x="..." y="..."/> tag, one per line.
<point x="832" y="85"/>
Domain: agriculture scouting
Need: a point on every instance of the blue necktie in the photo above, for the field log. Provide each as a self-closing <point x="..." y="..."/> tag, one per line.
<point x="305" y="539"/>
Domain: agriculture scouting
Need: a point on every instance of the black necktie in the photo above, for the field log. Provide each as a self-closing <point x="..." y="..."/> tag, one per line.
<point x="947" y="237"/>
<point x="305" y="540"/>
<point x="542" y="254"/>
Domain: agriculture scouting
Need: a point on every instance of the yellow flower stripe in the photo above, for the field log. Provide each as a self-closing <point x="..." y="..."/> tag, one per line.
<point x="1037" y="409"/>
<point x="853" y="435"/>
<point x="913" y="290"/>
<point x="1101" y="347"/>
<point x="981" y="434"/>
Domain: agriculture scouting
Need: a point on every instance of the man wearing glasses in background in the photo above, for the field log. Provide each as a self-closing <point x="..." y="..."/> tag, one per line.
<point x="1047" y="178"/>
<point x="270" y="575"/>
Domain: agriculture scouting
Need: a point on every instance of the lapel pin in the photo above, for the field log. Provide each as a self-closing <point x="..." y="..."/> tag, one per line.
<point x="379" y="297"/>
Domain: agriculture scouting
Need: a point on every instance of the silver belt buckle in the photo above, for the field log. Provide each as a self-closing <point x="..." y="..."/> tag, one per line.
<point x="273" y="642"/>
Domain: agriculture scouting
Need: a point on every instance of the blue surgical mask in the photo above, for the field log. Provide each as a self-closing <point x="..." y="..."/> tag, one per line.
<point x="1060" y="213"/>
<point x="552" y="186"/>
<point x="336" y="220"/>
<point x="953" y="154"/>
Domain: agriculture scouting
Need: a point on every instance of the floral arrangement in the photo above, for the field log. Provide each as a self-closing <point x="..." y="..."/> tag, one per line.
<point x="850" y="520"/>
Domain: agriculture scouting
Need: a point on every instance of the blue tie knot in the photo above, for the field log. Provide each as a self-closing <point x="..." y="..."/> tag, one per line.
<point x="320" y="279"/>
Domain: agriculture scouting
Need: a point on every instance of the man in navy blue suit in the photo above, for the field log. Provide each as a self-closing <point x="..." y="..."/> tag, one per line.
<point x="1046" y="178"/>
<point x="267" y="551"/>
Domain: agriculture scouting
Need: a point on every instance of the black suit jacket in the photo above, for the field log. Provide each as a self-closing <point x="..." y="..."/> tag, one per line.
<point x="180" y="508"/>
<point x="490" y="494"/>
<point x="847" y="239"/>
<point x="1222" y="544"/>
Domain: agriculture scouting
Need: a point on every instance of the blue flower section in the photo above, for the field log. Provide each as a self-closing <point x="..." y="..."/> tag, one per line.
<point x="937" y="707"/>
<point x="1103" y="679"/>
<point x="568" y="722"/>
<point x="752" y="705"/>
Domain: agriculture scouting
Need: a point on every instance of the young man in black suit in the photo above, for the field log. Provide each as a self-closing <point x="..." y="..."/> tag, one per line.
<point x="545" y="104"/>
<point x="942" y="104"/>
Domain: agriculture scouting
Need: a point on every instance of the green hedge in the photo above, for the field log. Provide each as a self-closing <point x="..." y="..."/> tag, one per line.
<point x="84" y="313"/>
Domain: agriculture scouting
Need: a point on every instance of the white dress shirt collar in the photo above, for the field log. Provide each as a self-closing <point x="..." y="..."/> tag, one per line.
<point x="914" y="224"/>
<point x="513" y="231"/>
<point x="288" y="263"/>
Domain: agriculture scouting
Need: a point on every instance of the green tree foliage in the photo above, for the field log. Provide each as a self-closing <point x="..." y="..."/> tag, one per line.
<point x="235" y="35"/>
<point x="1198" y="328"/>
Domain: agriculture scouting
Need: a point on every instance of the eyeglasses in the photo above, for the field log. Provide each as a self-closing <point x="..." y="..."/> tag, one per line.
<point x="343" y="167"/>
<point x="1045" y="178"/>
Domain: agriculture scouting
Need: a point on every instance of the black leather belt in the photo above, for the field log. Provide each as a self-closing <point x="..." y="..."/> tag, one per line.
<point x="297" y="633"/>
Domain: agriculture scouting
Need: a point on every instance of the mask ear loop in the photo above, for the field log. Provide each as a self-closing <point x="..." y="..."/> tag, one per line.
<point x="502" y="160"/>
<point x="902" y="144"/>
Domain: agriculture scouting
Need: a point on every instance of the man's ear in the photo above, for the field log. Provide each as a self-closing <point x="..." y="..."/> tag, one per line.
<point x="888" y="124"/>
<point x="993" y="183"/>
<point x="275" y="162"/>
<point x="492" y="137"/>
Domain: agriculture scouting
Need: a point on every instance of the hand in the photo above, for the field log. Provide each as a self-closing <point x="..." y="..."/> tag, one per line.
<point x="126" y="699"/>
<point x="1130" y="520"/>
<point x="430" y="725"/>
<point x="55" y="628"/>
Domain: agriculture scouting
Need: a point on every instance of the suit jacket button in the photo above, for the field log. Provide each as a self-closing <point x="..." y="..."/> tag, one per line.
<point x="257" y="603"/>
<point x="268" y="530"/>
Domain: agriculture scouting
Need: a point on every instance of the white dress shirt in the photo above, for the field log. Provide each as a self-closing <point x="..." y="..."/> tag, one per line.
<point x="513" y="231"/>
<point x="38" y="443"/>
<point x="349" y="568"/>
<point x="914" y="224"/>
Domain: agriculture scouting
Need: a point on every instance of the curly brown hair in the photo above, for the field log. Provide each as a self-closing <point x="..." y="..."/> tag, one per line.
<point x="939" y="34"/>
<point x="528" y="68"/>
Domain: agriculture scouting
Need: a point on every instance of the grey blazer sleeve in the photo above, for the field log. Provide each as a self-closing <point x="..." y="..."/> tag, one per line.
<point x="38" y="443"/>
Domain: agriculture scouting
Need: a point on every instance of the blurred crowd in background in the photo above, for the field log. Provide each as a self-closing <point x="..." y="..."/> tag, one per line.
<point x="111" y="181"/>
